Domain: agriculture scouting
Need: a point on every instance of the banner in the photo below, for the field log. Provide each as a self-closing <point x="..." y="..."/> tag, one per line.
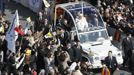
<point x="35" y="5"/>
<point x="12" y="35"/>
<point x="46" y="3"/>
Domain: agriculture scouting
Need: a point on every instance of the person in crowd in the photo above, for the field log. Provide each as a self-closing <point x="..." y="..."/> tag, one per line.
<point x="132" y="63"/>
<point x="46" y="13"/>
<point x="39" y="20"/>
<point x="40" y="58"/>
<point x="127" y="47"/>
<point x="57" y="55"/>
<point x="111" y="62"/>
<point x="85" y="67"/>
<point x="70" y="51"/>
<point x="64" y="36"/>
<point x="66" y="26"/>
<point x="59" y="21"/>
<point x="11" y="64"/>
<point x="1" y="60"/>
<point x="77" y="50"/>
<point x="49" y="62"/>
<point x="42" y="72"/>
<point x="63" y="65"/>
<point x="105" y="70"/>
<point x="25" y="43"/>
<point x="77" y="71"/>
<point x="31" y="59"/>
<point x="46" y="26"/>
<point x="30" y="38"/>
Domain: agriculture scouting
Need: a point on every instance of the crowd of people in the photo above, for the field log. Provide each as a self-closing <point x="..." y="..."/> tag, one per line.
<point x="119" y="15"/>
<point x="51" y="51"/>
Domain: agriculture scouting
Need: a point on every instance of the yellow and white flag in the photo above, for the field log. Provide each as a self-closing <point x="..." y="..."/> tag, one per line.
<point x="46" y="3"/>
<point x="27" y="24"/>
<point x="29" y="19"/>
<point x="2" y="30"/>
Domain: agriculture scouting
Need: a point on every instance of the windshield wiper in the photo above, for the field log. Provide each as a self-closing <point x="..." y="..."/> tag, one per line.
<point x="95" y="44"/>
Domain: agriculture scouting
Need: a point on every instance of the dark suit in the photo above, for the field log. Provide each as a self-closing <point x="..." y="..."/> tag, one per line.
<point x="111" y="63"/>
<point x="11" y="65"/>
<point x="38" y="25"/>
<point x="64" y="37"/>
<point x="45" y="28"/>
<point x="127" y="45"/>
<point x="132" y="64"/>
<point x="127" y="48"/>
<point x="77" y="52"/>
<point x="71" y="53"/>
<point x="59" y="22"/>
<point x="66" y="27"/>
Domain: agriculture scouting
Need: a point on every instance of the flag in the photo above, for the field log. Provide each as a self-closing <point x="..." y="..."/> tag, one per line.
<point x="12" y="35"/>
<point x="27" y="23"/>
<point x="19" y="30"/>
<point x="49" y="35"/>
<point x="46" y="3"/>
<point x="2" y="29"/>
<point x="29" y="19"/>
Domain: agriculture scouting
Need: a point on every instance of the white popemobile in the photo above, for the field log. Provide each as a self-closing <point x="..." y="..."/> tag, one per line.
<point x="89" y="28"/>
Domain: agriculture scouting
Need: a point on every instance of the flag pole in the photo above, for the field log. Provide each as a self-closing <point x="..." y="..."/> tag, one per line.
<point x="82" y="6"/>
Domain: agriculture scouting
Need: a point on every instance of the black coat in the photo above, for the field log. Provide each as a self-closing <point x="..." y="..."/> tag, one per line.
<point x="66" y="27"/>
<point x="111" y="63"/>
<point x="38" y="24"/>
<point x="59" y="22"/>
<point x="65" y="38"/>
<point x="132" y="63"/>
<point x="127" y="46"/>
<point x="11" y="65"/>
<point x="77" y="52"/>
<point x="71" y="53"/>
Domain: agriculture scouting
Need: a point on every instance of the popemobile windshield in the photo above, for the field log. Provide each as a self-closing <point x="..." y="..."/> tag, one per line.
<point x="89" y="28"/>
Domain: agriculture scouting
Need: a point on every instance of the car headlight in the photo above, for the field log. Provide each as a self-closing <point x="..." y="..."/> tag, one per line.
<point x="119" y="54"/>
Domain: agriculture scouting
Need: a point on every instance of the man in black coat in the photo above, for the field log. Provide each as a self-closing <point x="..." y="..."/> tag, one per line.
<point x="111" y="62"/>
<point x="70" y="51"/>
<point x="132" y="63"/>
<point x="59" y="21"/>
<point x="46" y="26"/>
<point x="127" y="47"/>
<point x="11" y="64"/>
<point x="66" y="26"/>
<point x="77" y="50"/>
<point x="64" y="37"/>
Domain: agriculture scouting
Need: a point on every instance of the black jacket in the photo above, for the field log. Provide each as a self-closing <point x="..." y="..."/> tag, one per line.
<point x="77" y="52"/>
<point x="65" y="38"/>
<point x="127" y="45"/>
<point x="132" y="63"/>
<point x="111" y="63"/>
